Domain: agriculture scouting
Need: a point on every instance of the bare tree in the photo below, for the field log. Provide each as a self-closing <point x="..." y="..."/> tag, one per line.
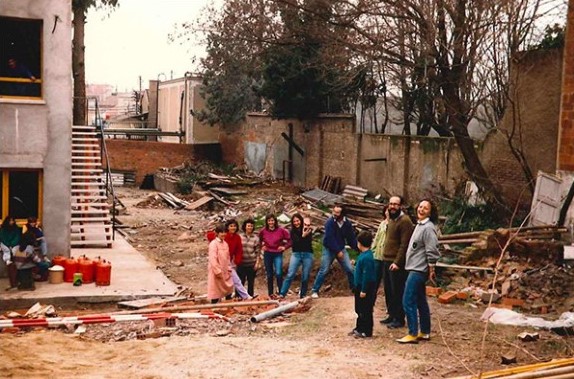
<point x="80" y="9"/>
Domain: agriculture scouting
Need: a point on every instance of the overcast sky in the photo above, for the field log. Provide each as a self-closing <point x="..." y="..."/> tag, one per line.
<point x="133" y="41"/>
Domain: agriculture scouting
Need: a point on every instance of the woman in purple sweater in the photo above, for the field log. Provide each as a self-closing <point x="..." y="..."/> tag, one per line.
<point x="274" y="241"/>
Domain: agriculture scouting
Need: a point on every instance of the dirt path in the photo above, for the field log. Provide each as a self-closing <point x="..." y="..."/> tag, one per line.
<point x="306" y="345"/>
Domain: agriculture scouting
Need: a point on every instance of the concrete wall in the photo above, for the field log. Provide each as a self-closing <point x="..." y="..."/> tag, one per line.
<point x="169" y="107"/>
<point x="37" y="133"/>
<point x="411" y="166"/>
<point x="146" y="157"/>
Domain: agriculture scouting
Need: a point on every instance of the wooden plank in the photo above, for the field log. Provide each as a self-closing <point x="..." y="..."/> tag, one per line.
<point x="168" y="200"/>
<point x="198" y="203"/>
<point x="229" y="191"/>
<point x="142" y="303"/>
<point x="461" y="267"/>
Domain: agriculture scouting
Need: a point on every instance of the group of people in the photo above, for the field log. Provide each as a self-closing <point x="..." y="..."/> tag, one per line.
<point x="24" y="252"/>
<point x="235" y="257"/>
<point x="401" y="255"/>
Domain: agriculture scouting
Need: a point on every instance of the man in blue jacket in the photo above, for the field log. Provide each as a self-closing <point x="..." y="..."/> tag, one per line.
<point x="339" y="232"/>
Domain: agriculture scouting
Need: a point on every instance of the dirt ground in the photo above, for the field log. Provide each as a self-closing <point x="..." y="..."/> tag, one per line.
<point x="301" y="345"/>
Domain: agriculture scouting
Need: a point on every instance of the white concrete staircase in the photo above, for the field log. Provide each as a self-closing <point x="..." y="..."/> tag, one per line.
<point x="91" y="224"/>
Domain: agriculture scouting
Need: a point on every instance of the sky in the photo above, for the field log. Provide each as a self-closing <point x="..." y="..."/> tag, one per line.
<point x="132" y="41"/>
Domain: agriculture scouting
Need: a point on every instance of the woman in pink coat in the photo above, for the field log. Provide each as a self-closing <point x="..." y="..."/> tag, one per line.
<point x="219" y="282"/>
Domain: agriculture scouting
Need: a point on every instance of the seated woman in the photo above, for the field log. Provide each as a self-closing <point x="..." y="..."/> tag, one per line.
<point x="10" y="234"/>
<point x="24" y="259"/>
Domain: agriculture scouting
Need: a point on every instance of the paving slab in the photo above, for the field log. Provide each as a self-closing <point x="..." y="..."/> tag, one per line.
<point x="133" y="277"/>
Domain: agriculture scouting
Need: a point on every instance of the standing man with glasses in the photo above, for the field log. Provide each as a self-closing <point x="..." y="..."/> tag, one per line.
<point x="339" y="232"/>
<point x="399" y="231"/>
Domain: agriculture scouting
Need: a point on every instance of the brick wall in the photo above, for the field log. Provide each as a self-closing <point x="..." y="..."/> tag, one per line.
<point x="145" y="157"/>
<point x="532" y="117"/>
<point x="566" y="144"/>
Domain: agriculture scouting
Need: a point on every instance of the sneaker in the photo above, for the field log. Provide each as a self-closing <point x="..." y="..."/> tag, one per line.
<point x="362" y="335"/>
<point x="423" y="336"/>
<point x="408" y="339"/>
<point x="396" y="325"/>
<point x="353" y="333"/>
<point x="387" y="320"/>
<point x="315" y="295"/>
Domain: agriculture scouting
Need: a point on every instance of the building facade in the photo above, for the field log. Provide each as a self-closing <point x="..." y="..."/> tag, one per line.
<point x="36" y="115"/>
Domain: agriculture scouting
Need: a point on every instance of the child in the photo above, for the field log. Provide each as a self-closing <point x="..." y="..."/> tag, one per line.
<point x="33" y="226"/>
<point x="364" y="287"/>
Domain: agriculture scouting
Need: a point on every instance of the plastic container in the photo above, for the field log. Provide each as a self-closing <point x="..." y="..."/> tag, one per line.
<point x="103" y="273"/>
<point x="86" y="268"/>
<point x="58" y="260"/>
<point x="56" y="274"/>
<point x="77" y="279"/>
<point x="70" y="268"/>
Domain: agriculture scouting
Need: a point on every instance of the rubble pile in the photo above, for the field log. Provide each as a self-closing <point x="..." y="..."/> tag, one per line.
<point x="531" y="275"/>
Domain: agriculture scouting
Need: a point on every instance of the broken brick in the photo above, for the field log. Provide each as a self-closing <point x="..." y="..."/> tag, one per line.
<point x="12" y="330"/>
<point x="512" y="302"/>
<point x="433" y="291"/>
<point x="462" y="295"/>
<point x="501" y="306"/>
<point x="447" y="297"/>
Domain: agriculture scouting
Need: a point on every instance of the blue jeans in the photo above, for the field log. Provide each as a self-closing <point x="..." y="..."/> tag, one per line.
<point x="415" y="303"/>
<point x="326" y="261"/>
<point x="298" y="259"/>
<point x="273" y="267"/>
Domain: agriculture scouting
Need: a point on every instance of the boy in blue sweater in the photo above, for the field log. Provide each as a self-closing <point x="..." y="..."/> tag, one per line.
<point x="364" y="287"/>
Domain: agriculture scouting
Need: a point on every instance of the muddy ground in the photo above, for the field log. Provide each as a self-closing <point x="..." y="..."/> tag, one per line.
<point x="302" y="345"/>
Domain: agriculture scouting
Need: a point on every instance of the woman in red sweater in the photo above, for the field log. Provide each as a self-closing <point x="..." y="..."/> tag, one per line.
<point x="235" y="255"/>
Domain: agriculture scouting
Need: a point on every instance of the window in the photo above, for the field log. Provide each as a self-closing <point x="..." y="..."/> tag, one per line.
<point x="20" y="58"/>
<point x="20" y="193"/>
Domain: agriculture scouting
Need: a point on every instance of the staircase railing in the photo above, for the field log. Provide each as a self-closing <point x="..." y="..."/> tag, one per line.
<point x="105" y="158"/>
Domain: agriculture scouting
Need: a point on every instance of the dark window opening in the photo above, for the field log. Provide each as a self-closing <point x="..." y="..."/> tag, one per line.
<point x="20" y="57"/>
<point x="23" y="194"/>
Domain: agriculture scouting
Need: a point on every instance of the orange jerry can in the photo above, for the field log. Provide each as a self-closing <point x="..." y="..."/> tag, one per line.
<point x="70" y="268"/>
<point x="95" y="263"/>
<point x="103" y="273"/>
<point x="58" y="260"/>
<point x="86" y="268"/>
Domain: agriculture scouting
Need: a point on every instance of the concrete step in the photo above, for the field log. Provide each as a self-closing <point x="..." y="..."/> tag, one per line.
<point x="88" y="197"/>
<point x="88" y="177"/>
<point x="84" y="139"/>
<point x="84" y="133"/>
<point x="90" y="212"/>
<point x="87" y="170"/>
<point x="97" y="205"/>
<point x="83" y="127"/>
<point x="94" y="156"/>
<point x="90" y="220"/>
<point x="86" y="164"/>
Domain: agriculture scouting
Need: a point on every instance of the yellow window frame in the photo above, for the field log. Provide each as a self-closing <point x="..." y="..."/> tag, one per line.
<point x="5" y="173"/>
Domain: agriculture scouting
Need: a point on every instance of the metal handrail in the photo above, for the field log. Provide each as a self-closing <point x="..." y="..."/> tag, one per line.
<point x="104" y="156"/>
